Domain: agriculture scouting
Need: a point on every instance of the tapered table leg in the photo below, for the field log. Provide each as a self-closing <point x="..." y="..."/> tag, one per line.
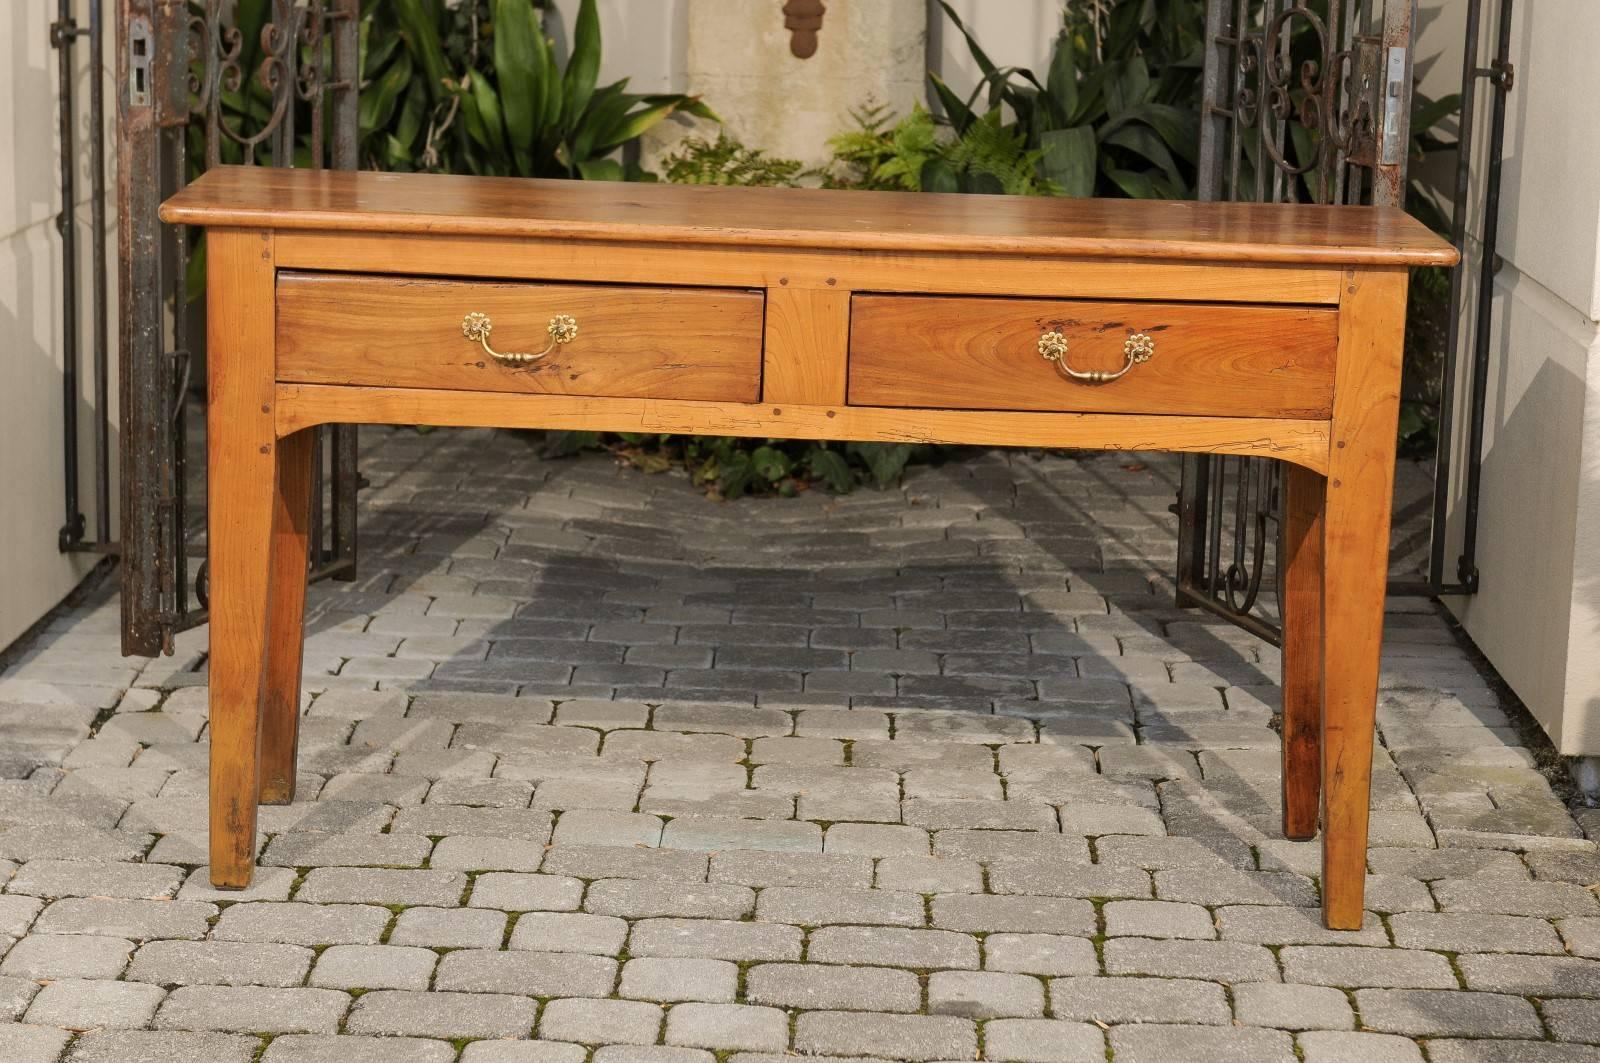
<point x="1302" y="650"/>
<point x="1356" y="540"/>
<point x="291" y="527"/>
<point x="241" y="471"/>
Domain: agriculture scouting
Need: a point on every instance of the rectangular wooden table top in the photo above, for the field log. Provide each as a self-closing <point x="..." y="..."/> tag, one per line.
<point x="346" y="201"/>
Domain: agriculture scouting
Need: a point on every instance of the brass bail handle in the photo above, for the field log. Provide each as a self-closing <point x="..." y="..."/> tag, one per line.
<point x="1138" y="348"/>
<point x="563" y="328"/>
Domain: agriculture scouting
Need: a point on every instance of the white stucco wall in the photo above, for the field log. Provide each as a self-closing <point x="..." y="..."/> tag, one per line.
<point x="647" y="40"/>
<point x="34" y="576"/>
<point x="728" y="50"/>
<point x="1537" y="614"/>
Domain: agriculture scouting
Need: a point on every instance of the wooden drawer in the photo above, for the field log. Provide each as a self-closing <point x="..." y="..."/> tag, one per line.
<point x="956" y="352"/>
<point x="630" y="342"/>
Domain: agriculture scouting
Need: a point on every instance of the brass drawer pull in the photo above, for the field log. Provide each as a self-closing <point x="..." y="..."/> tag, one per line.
<point x="563" y="328"/>
<point x="1138" y="348"/>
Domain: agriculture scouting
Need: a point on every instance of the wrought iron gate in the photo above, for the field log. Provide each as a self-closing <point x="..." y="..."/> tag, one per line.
<point x="203" y="82"/>
<point x="1304" y="101"/>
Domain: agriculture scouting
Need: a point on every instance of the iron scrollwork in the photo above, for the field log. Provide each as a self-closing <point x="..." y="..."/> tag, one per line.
<point x="220" y="91"/>
<point x="1291" y="113"/>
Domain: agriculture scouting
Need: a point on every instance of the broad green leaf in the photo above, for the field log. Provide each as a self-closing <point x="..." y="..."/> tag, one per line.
<point x="1069" y="159"/>
<point x="606" y="109"/>
<point x="1144" y="142"/>
<point x="1127" y="85"/>
<point x="956" y="110"/>
<point x="248" y="18"/>
<point x="1178" y="129"/>
<point x="1303" y="151"/>
<point x="491" y="114"/>
<point x="985" y="64"/>
<point x="419" y="25"/>
<point x="885" y="461"/>
<point x="1135" y="185"/>
<point x="565" y="444"/>
<point x="584" y="65"/>
<point x="770" y="463"/>
<point x="378" y="101"/>
<point x="831" y="468"/>
<point x="983" y="184"/>
<point x="937" y="176"/>
<point x="735" y="474"/>
<point x="413" y="116"/>
<point x="552" y="131"/>
<point x="600" y="169"/>
<point x="1061" y="84"/>
<point x="696" y="106"/>
<point x="632" y="125"/>
<point x="374" y="58"/>
<point x="519" y="63"/>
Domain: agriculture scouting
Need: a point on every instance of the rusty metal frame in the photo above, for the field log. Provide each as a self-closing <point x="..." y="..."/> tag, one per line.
<point x="179" y="64"/>
<point x="64" y="35"/>
<point x="1308" y="101"/>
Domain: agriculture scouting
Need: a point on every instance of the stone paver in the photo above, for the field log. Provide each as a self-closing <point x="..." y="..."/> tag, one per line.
<point x="679" y="979"/>
<point x="220" y="963"/>
<point x="1043" y="1041"/>
<point x="321" y="1048"/>
<point x="374" y="967"/>
<point x="150" y="1046"/>
<point x="607" y="769"/>
<point x="631" y="1022"/>
<point x="1329" y="1046"/>
<point x="1292" y="1007"/>
<point x="1161" y="1043"/>
<point x="912" y="1037"/>
<point x="535" y="974"/>
<point x="441" y="1014"/>
<point x="82" y="1005"/>
<point x="728" y="1027"/>
<point x="252" y="1009"/>
<point x="822" y="986"/>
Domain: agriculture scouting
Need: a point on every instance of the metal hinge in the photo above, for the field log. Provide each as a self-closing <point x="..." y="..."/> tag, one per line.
<point x="64" y="32"/>
<point x="1392" y="152"/>
<point x="139" y="49"/>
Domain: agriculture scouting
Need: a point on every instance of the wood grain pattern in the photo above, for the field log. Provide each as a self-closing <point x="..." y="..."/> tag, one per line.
<point x="241" y="470"/>
<point x="350" y="201"/>
<point x="982" y="354"/>
<point x="1304" y="493"/>
<point x="644" y="342"/>
<point x="807" y="343"/>
<point x="1301" y="442"/>
<point x="291" y="532"/>
<point x="955" y="273"/>
<point x="1355" y="572"/>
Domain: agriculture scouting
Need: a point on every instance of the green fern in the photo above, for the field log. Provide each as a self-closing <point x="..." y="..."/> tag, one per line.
<point x="992" y="150"/>
<point x="729" y="162"/>
<point x="916" y="154"/>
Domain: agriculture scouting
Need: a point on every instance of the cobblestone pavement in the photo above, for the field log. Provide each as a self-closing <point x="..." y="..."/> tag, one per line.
<point x="590" y="764"/>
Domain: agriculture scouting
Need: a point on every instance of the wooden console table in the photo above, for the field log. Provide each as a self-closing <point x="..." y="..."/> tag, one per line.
<point x="403" y="299"/>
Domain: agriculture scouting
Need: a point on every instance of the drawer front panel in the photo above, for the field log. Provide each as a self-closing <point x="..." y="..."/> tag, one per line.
<point x="624" y="342"/>
<point x="990" y="354"/>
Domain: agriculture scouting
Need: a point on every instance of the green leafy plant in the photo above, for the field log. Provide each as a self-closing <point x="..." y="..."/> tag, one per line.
<point x="477" y="88"/>
<point x="914" y="154"/>
<point x="1117" y="111"/>
<point x="726" y="467"/>
<point x="726" y="161"/>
